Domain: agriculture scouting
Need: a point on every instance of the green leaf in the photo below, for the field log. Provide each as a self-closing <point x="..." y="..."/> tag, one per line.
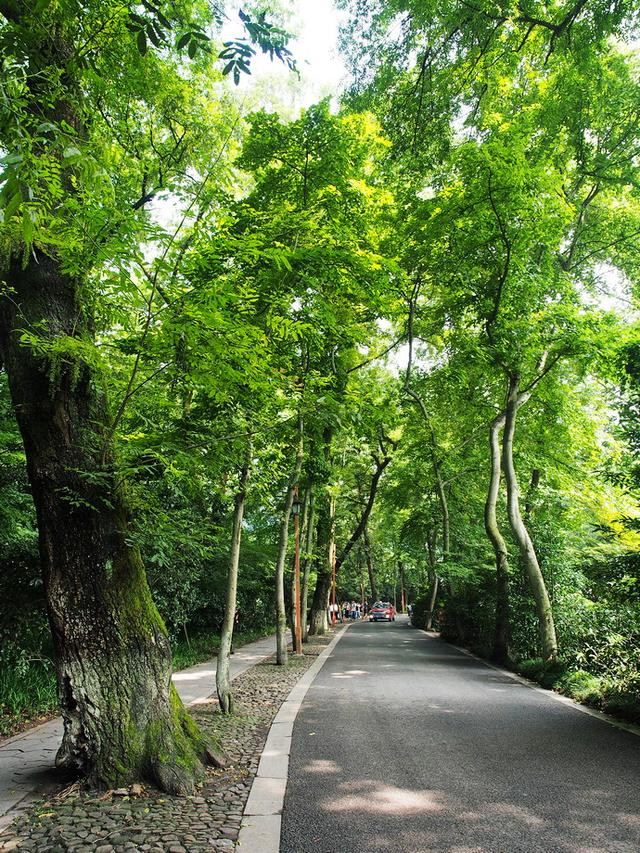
<point x="153" y="36"/>
<point x="28" y="226"/>
<point x="12" y="205"/>
<point x="142" y="42"/>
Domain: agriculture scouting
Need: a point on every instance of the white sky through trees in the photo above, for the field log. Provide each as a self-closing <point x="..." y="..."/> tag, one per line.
<point x="314" y="25"/>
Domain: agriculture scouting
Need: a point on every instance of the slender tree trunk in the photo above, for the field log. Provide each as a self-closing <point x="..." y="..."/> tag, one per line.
<point x="223" y="680"/>
<point x="433" y="575"/>
<point x="281" y="614"/>
<point x="502" y="631"/>
<point x="325" y="549"/>
<point x="381" y="464"/>
<point x="546" y="625"/>
<point x="433" y="578"/>
<point x="289" y="600"/>
<point x="531" y="491"/>
<point x="370" y="566"/>
<point x="437" y="470"/>
<point x="403" y="601"/>
<point x="444" y="509"/>
<point x="122" y="718"/>
<point x="444" y="505"/>
<point x="307" y="538"/>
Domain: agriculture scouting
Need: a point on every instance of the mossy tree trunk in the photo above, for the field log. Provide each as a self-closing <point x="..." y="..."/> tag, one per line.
<point x="223" y="679"/>
<point x="501" y="631"/>
<point x="546" y="623"/>
<point x="122" y="718"/>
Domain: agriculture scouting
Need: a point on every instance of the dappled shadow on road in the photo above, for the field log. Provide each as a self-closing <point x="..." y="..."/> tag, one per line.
<point x="350" y="673"/>
<point x="571" y="821"/>
<point x="375" y="798"/>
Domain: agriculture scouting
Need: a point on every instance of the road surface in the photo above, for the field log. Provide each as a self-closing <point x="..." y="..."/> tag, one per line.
<point x="404" y="744"/>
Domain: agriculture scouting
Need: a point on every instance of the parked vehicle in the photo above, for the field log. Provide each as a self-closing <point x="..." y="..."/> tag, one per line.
<point x="382" y="611"/>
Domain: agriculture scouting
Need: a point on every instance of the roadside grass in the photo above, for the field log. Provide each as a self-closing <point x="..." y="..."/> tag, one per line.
<point x="600" y="692"/>
<point x="27" y="693"/>
<point x="28" y="689"/>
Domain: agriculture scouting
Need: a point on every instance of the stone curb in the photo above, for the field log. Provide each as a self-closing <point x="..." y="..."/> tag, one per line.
<point x="262" y="818"/>
<point x="550" y="694"/>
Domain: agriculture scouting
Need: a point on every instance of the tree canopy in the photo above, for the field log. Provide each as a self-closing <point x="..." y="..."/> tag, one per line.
<point x="415" y="309"/>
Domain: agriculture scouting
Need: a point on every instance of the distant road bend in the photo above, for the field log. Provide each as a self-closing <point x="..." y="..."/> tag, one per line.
<point x="404" y="744"/>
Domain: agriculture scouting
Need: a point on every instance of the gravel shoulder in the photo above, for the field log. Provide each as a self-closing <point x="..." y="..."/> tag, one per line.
<point x="146" y="820"/>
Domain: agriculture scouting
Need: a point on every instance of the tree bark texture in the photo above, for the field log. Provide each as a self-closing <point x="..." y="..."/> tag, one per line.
<point x="546" y="624"/>
<point x="122" y="718"/>
<point x="223" y="680"/>
<point x="501" y="631"/>
<point x="281" y="612"/>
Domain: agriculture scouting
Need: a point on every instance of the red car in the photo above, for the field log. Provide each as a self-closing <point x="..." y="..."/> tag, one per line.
<point x="382" y="611"/>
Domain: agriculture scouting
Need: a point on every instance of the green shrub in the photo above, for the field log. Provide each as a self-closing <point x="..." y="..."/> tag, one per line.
<point x="581" y="686"/>
<point x="420" y="608"/>
<point x="621" y="703"/>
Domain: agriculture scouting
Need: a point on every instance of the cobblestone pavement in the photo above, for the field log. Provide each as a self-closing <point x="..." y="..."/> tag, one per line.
<point x="26" y="760"/>
<point x="88" y="822"/>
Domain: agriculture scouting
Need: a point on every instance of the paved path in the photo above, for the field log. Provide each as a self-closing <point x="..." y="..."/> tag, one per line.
<point x="26" y="760"/>
<point x="404" y="744"/>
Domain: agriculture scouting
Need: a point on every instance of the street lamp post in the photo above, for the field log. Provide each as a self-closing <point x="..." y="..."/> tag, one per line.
<point x="295" y="509"/>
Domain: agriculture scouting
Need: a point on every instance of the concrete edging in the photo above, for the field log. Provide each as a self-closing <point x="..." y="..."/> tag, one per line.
<point x="262" y="818"/>
<point x="550" y="694"/>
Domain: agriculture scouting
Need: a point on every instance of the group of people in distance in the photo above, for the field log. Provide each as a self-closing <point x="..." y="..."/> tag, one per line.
<point x="349" y="610"/>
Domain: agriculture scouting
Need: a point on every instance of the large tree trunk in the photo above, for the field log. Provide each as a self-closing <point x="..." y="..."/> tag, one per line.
<point x="123" y="719"/>
<point x="308" y="528"/>
<point x="281" y="612"/>
<point x="546" y="625"/>
<point x="223" y="680"/>
<point x="501" y="632"/>
<point x="370" y="567"/>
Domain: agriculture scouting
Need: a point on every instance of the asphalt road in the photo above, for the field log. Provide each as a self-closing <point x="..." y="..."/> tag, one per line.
<point x="405" y="744"/>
